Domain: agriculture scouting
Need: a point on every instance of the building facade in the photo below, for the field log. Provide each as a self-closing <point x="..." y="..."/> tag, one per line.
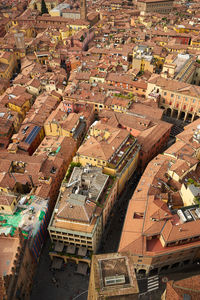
<point x="157" y="6"/>
<point x="179" y="99"/>
<point x="161" y="228"/>
<point x="77" y="217"/>
<point x="17" y="276"/>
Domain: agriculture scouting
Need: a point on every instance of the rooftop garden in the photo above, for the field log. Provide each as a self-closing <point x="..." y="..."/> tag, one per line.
<point x="197" y="200"/>
<point x="194" y="182"/>
<point x="106" y="193"/>
<point x="124" y="96"/>
<point x="70" y="170"/>
<point x="122" y="152"/>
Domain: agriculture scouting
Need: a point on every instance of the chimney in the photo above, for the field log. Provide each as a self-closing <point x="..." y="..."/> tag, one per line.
<point x="31" y="179"/>
<point x="83" y="10"/>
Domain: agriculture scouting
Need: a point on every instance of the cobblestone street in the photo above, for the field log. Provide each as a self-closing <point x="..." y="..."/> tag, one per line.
<point x="64" y="284"/>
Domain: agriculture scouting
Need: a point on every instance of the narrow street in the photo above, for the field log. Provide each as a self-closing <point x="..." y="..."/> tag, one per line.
<point x="116" y="221"/>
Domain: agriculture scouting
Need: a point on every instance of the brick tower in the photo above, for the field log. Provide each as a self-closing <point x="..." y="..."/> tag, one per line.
<point x="83" y="10"/>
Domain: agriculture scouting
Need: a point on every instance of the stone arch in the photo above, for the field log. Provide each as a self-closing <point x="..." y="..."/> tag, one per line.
<point x="176" y="265"/>
<point x="168" y="112"/>
<point x="189" y="117"/>
<point x="141" y="272"/>
<point x="175" y="113"/>
<point x="182" y="115"/>
<point x="186" y="262"/>
<point x="164" y="268"/>
<point x="153" y="272"/>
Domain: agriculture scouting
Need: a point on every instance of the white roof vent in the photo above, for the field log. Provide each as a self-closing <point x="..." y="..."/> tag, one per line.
<point x="112" y="280"/>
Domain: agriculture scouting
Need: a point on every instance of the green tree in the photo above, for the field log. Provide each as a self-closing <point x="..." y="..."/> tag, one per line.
<point x="44" y="9"/>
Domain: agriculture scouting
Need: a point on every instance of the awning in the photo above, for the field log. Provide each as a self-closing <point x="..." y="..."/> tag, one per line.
<point x="82" y="268"/>
<point x="71" y="249"/>
<point x="59" y="247"/>
<point x="82" y="251"/>
<point x="57" y="263"/>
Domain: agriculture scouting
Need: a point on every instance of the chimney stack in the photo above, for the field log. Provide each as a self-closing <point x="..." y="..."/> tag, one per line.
<point x="83" y="10"/>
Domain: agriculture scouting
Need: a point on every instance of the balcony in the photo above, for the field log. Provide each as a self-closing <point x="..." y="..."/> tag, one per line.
<point x="122" y="153"/>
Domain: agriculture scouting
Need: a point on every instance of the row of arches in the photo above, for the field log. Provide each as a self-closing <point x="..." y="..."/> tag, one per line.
<point x="163" y="269"/>
<point x="179" y="115"/>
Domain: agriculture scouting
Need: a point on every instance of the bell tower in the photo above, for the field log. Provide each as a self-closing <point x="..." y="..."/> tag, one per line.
<point x="83" y="10"/>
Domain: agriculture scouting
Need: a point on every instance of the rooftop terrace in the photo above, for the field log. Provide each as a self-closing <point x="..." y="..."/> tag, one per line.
<point x="114" y="275"/>
<point x="28" y="215"/>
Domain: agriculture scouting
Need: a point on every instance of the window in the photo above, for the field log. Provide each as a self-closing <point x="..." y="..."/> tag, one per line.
<point x="186" y="99"/>
<point x="193" y="100"/>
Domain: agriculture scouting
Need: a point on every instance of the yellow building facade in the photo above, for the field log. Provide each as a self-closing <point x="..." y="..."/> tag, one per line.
<point x="37" y="4"/>
<point x="7" y="64"/>
<point x="7" y="202"/>
<point x="65" y="125"/>
<point x="54" y="129"/>
<point x="21" y="109"/>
